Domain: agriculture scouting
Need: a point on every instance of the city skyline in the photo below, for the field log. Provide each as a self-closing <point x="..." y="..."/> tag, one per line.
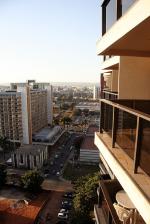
<point x="47" y="41"/>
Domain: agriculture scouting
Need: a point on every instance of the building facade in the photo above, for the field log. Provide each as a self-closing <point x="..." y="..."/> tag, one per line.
<point x="96" y="92"/>
<point x="25" y="110"/>
<point x="29" y="157"/>
<point x="123" y="139"/>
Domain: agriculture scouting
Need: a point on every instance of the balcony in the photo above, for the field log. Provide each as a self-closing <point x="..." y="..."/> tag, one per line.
<point x="129" y="41"/>
<point x="124" y="143"/>
<point x="109" y="95"/>
<point x="104" y="211"/>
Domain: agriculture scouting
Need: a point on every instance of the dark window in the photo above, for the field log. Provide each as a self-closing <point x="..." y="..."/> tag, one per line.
<point x="145" y="147"/>
<point x="34" y="160"/>
<point x="21" y="159"/>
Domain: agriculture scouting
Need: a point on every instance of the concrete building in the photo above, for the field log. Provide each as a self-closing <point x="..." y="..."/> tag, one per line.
<point x="91" y="106"/>
<point x="29" y="157"/>
<point x="89" y="153"/>
<point x="96" y="92"/>
<point x="124" y="137"/>
<point x="25" y="111"/>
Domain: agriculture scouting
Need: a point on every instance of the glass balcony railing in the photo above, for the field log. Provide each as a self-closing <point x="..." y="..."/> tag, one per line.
<point x="104" y="211"/>
<point x="127" y="122"/>
<point x="109" y="95"/>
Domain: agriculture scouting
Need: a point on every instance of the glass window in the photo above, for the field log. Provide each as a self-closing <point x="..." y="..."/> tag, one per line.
<point x="111" y="14"/>
<point x="126" y="4"/>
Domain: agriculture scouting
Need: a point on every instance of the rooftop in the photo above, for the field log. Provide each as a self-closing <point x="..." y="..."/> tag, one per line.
<point x="88" y="143"/>
<point x="22" y="215"/>
<point x="32" y="149"/>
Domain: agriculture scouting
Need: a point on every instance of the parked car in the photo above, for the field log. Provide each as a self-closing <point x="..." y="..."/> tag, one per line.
<point x="62" y="215"/>
<point x="66" y="204"/>
<point x="68" y="195"/>
<point x="51" y="163"/>
<point x="56" y="156"/>
<point x="58" y="174"/>
<point x="61" y="165"/>
<point x="63" y="210"/>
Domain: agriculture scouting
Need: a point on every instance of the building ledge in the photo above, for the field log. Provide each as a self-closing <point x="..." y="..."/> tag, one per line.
<point x="126" y="37"/>
<point x="111" y="63"/>
<point x="136" y="185"/>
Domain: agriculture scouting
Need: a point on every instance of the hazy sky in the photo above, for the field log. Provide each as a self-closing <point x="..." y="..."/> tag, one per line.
<point x="49" y="40"/>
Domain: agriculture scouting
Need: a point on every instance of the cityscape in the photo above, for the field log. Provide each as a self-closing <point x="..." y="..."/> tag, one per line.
<point x="74" y="145"/>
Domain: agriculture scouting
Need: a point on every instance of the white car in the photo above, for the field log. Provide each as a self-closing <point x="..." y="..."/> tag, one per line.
<point x="63" y="210"/>
<point x="62" y="215"/>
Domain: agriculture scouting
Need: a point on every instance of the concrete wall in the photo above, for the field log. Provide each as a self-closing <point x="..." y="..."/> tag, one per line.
<point x="25" y="115"/>
<point x="114" y="83"/>
<point x="50" y="104"/>
<point x="134" y="78"/>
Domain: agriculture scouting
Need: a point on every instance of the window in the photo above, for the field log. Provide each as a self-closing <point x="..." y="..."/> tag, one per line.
<point x="126" y="4"/>
<point x="21" y="158"/>
<point x="34" y="160"/>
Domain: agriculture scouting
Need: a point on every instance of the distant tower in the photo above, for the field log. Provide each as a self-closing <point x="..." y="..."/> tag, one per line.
<point x="96" y="92"/>
<point x="26" y="114"/>
<point x="49" y="104"/>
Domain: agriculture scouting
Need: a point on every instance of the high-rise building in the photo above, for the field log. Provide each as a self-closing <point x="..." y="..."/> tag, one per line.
<point x="25" y="111"/>
<point x="96" y="92"/>
<point x="124" y="137"/>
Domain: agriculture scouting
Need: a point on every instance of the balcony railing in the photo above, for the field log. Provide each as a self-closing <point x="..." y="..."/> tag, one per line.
<point x="105" y="211"/>
<point x="127" y="122"/>
<point x="109" y="95"/>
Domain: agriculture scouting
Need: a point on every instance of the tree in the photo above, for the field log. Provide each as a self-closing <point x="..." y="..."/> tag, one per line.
<point x="85" y="193"/>
<point x="66" y="121"/>
<point x="65" y="106"/>
<point x="3" y="174"/>
<point x="77" y="112"/>
<point x="31" y="181"/>
<point x="6" y="145"/>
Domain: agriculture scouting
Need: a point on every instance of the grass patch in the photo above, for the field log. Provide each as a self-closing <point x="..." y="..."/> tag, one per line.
<point x="73" y="173"/>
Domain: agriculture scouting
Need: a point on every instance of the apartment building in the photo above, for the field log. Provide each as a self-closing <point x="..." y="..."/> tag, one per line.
<point x="96" y="92"/>
<point x="10" y="115"/>
<point x="25" y="110"/>
<point x="123" y="139"/>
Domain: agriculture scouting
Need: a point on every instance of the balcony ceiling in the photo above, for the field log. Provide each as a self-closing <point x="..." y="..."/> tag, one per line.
<point x="134" y="43"/>
<point x="130" y="35"/>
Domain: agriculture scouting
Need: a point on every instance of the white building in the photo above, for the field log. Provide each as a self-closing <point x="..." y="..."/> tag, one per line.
<point x="96" y="92"/>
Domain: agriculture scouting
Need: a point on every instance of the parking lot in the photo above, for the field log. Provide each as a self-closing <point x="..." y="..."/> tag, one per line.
<point x="58" y="208"/>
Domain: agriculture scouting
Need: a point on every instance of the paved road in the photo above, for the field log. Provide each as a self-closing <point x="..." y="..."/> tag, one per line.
<point x="57" y="185"/>
<point x="59" y="158"/>
<point x="48" y="215"/>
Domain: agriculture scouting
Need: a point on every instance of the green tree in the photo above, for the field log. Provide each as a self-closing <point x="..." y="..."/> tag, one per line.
<point x="77" y="112"/>
<point x="66" y="121"/>
<point x="6" y="145"/>
<point x="31" y="181"/>
<point x="3" y="174"/>
<point x="85" y="193"/>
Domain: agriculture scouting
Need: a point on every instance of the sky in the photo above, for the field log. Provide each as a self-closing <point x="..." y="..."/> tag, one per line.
<point x="49" y="40"/>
